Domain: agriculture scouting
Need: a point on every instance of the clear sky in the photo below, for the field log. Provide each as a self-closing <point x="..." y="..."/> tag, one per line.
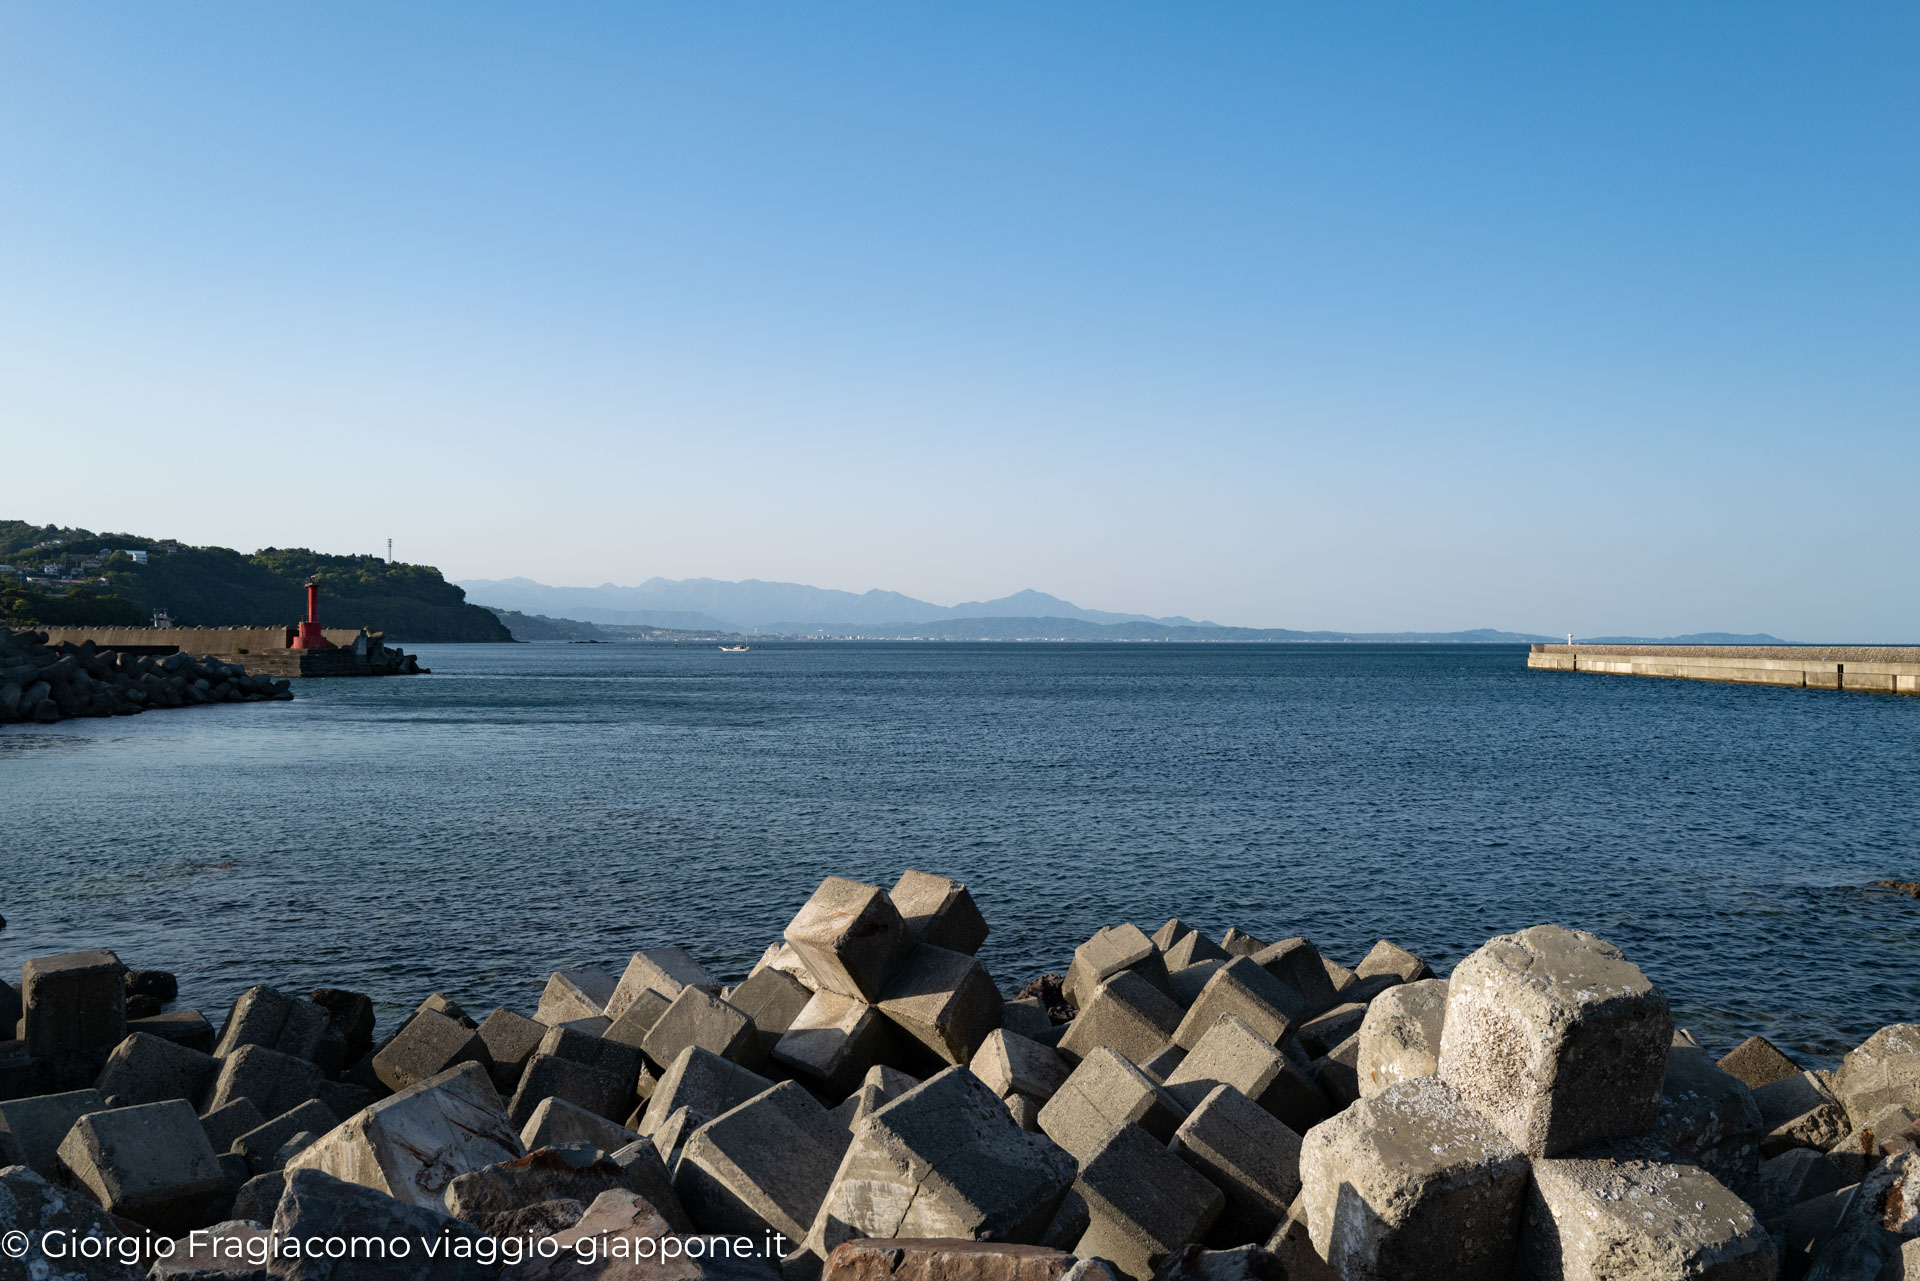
<point x="1601" y="318"/>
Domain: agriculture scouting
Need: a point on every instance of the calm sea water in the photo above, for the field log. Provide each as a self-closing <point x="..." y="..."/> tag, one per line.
<point x="534" y="806"/>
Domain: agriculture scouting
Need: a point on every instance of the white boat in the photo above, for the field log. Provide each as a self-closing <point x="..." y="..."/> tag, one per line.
<point x="733" y="649"/>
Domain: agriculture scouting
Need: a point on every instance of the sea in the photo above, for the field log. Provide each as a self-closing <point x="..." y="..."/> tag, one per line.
<point x="532" y="807"/>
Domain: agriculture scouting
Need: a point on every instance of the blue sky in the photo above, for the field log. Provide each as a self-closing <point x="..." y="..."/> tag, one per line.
<point x="1589" y="318"/>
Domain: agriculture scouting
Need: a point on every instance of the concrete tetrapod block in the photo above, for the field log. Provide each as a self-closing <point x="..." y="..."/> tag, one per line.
<point x="945" y="1159"/>
<point x="1865" y="1238"/>
<point x="851" y="938"/>
<point x="1172" y="932"/>
<point x="261" y="1145"/>
<point x="1012" y="1064"/>
<point x="943" y="1000"/>
<point x="704" y="1081"/>
<point x="271" y="1081"/>
<point x="664" y="970"/>
<point x="1861" y="1150"/>
<point x="944" y="1260"/>
<point x="1234" y="1054"/>
<point x="1337" y="1073"/>
<point x="428" y="1045"/>
<point x="31" y="1128"/>
<point x="548" y="1076"/>
<point x="53" y="1219"/>
<point x="1126" y="1014"/>
<point x="638" y="1018"/>
<point x="1142" y="1202"/>
<point x="511" y="1039"/>
<point x="1297" y="963"/>
<point x="773" y="999"/>
<point x="669" y="1138"/>
<point x="580" y="993"/>
<point x="1799" y="1111"/>
<point x="1106" y="1090"/>
<point x="1162" y="1063"/>
<point x="151" y="1163"/>
<point x="1390" y="959"/>
<point x="1339" y="975"/>
<point x="1191" y="949"/>
<point x="1238" y="942"/>
<point x="1186" y="985"/>
<point x="939" y="911"/>
<point x="765" y="1166"/>
<point x="1709" y="1117"/>
<point x="555" y="1122"/>
<point x="1249" y="1154"/>
<point x="833" y="1041"/>
<point x="224" y="1125"/>
<point x="701" y="1019"/>
<point x="227" y="1251"/>
<point x="1242" y="988"/>
<point x="1400" y="1036"/>
<point x="74" y="1003"/>
<point x="1758" y="1062"/>
<point x="1883" y="1072"/>
<point x="1111" y="951"/>
<point x="1318" y="1035"/>
<point x="146" y="1069"/>
<point x="1784" y="1182"/>
<point x="1413" y="1182"/>
<point x="1557" y="1037"/>
<point x="882" y="1086"/>
<point x="319" y="1208"/>
<point x="187" y="1028"/>
<point x="409" y="1146"/>
<point x="1589" y="1219"/>
<point x="615" y="1058"/>
<point x="274" y="1021"/>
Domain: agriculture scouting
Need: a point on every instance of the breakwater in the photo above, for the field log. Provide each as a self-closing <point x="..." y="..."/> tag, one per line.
<point x="1885" y="669"/>
<point x="867" y="1102"/>
<point x="355" y="652"/>
<point x="41" y="683"/>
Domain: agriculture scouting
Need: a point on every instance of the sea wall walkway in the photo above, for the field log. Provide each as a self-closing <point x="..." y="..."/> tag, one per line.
<point x="1886" y="669"/>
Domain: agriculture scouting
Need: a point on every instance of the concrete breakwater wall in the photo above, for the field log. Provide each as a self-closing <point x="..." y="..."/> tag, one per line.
<point x="194" y="640"/>
<point x="355" y="652"/>
<point x="1886" y="669"/>
<point x="867" y="1105"/>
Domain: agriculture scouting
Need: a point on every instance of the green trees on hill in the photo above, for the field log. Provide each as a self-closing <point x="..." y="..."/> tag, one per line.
<point x="220" y="587"/>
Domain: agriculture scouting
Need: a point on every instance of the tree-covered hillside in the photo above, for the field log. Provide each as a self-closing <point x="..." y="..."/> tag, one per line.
<point x="217" y="586"/>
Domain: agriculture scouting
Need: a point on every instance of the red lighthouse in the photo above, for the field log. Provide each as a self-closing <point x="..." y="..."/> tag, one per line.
<point x="309" y="636"/>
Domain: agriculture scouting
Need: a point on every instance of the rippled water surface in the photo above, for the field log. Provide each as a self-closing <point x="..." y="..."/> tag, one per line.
<point x="534" y="806"/>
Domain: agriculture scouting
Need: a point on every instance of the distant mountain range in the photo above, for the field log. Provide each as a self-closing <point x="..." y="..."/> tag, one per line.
<point x="793" y="609"/>
<point x="756" y="606"/>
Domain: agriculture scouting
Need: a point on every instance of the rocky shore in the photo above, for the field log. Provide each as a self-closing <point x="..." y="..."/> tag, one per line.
<point x="866" y="1105"/>
<point x="44" y="683"/>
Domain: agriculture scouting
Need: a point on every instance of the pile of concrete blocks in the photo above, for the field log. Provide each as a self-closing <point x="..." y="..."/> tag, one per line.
<point x="865" y="1100"/>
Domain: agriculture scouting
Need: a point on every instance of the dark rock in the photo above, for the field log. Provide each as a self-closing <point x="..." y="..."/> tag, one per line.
<point x="157" y="984"/>
<point x="1910" y="888"/>
<point x="31" y="1205"/>
<point x="1049" y="989"/>
<point x="351" y="1015"/>
<point x="143" y="1007"/>
<point x="317" y="1205"/>
<point x="541" y="1219"/>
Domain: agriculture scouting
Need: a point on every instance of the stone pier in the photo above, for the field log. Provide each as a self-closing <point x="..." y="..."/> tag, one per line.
<point x="1884" y="669"/>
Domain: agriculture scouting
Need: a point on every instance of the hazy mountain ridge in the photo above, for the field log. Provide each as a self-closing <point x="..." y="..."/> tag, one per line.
<point x="757" y="605"/>
<point x="795" y="609"/>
